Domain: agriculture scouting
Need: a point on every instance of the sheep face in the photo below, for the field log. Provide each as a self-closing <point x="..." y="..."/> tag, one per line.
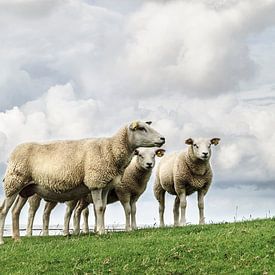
<point x="201" y="148"/>
<point x="141" y="134"/>
<point x="146" y="157"/>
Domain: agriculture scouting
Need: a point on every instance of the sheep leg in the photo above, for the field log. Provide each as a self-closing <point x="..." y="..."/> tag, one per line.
<point x="159" y="193"/>
<point x="201" y="206"/>
<point x="34" y="203"/>
<point x="76" y="219"/>
<point x="127" y="210"/>
<point x="183" y="203"/>
<point x="77" y="212"/>
<point x="4" y="209"/>
<point x="105" y="193"/>
<point x="176" y="211"/>
<point x="85" y="215"/>
<point x="133" y="214"/>
<point x="161" y="199"/>
<point x="49" y="206"/>
<point x="100" y="200"/>
<point x="19" y="203"/>
<point x="95" y="228"/>
<point x="69" y="210"/>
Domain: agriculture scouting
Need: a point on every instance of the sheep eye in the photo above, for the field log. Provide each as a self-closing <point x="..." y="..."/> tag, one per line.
<point x="142" y="129"/>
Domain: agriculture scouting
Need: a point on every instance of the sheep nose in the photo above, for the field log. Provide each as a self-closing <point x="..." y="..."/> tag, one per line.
<point x="205" y="153"/>
<point x="162" y="139"/>
<point x="149" y="164"/>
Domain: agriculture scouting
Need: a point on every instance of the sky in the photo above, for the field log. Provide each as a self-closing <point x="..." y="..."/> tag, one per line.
<point x="75" y="69"/>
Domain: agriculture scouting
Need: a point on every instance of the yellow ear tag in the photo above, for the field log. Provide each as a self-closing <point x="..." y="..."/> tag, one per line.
<point x="159" y="153"/>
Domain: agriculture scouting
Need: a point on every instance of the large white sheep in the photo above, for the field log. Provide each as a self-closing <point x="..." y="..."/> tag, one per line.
<point x="127" y="191"/>
<point x="67" y="170"/>
<point x="183" y="173"/>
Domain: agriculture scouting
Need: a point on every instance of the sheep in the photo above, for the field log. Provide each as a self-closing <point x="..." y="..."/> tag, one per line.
<point x="127" y="191"/>
<point x="183" y="173"/>
<point x="66" y="170"/>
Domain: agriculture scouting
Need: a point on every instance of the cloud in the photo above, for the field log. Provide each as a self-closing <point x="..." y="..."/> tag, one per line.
<point x="56" y="114"/>
<point x="28" y="9"/>
<point x="68" y="44"/>
<point x="146" y="49"/>
<point x="191" y="47"/>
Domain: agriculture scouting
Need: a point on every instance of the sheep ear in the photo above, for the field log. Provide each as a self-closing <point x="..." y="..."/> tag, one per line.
<point x="134" y="125"/>
<point x="136" y="152"/>
<point x="160" y="152"/>
<point x="215" y="141"/>
<point x="148" y="122"/>
<point x="189" y="141"/>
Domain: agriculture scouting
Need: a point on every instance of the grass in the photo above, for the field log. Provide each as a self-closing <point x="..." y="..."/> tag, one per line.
<point x="236" y="248"/>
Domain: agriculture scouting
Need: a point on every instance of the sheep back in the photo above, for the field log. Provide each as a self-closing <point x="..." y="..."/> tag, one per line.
<point x="63" y="165"/>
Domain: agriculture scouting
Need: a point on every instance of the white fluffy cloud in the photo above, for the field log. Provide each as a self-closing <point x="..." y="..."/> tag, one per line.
<point x="153" y="47"/>
<point x="71" y="42"/>
<point x="56" y="114"/>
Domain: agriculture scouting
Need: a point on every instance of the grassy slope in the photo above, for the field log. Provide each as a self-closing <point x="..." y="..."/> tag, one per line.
<point x="242" y="248"/>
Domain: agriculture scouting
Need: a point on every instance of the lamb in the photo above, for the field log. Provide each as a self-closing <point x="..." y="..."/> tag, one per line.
<point x="127" y="191"/>
<point x="67" y="170"/>
<point x="183" y="173"/>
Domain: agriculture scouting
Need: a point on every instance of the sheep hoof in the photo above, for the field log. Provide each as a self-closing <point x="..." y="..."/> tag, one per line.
<point x="17" y="240"/>
<point x="1" y="242"/>
<point x="202" y="222"/>
<point x="101" y="232"/>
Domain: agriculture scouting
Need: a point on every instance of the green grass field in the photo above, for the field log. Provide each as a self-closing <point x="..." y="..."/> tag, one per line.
<point x="236" y="248"/>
